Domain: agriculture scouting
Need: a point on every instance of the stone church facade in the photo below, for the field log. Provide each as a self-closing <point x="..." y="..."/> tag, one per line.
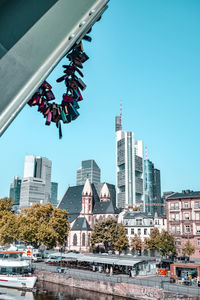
<point x="86" y="205"/>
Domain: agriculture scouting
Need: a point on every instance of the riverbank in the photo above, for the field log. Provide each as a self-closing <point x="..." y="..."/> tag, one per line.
<point x="123" y="286"/>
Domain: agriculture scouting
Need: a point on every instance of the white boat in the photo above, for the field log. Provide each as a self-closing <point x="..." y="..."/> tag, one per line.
<point x="15" y="272"/>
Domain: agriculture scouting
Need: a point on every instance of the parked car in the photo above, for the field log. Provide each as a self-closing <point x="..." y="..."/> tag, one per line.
<point x="36" y="257"/>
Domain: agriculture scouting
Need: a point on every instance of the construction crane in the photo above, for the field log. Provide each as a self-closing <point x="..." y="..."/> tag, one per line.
<point x="34" y="36"/>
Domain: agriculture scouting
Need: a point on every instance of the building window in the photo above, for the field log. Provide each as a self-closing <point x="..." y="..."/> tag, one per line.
<point x="187" y="216"/>
<point x="151" y="222"/>
<point x="186" y="205"/>
<point x="173" y="229"/>
<point x="198" y="242"/>
<point x="177" y="205"/>
<point x="177" y="217"/>
<point x="196" y="205"/>
<point x="145" y="231"/>
<point x="138" y="221"/>
<point x="178" y="229"/>
<point x="178" y="242"/>
<point x="172" y="217"/>
<point x="139" y="231"/>
<point x="187" y="228"/>
<point x="83" y="239"/>
<point x="172" y="206"/>
<point x="197" y="216"/>
<point x="132" y="230"/>
<point x="75" y="240"/>
<point x="126" y="231"/>
<point x="198" y="229"/>
<point x="89" y="239"/>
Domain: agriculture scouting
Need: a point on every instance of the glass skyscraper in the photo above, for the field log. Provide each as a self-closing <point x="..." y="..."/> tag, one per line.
<point x="15" y="188"/>
<point x="129" y="168"/>
<point x="54" y="193"/>
<point x="89" y="169"/>
<point x="153" y="202"/>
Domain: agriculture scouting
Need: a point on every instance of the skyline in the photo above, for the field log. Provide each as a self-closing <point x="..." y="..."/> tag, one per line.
<point x="150" y="61"/>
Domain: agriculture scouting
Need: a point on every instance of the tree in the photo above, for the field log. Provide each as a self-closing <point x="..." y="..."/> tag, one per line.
<point x="8" y="228"/>
<point x="153" y="241"/>
<point x="188" y="248"/>
<point x="136" y="243"/>
<point x="167" y="244"/>
<point x="121" y="243"/>
<point x="44" y="224"/>
<point x="5" y="206"/>
<point x="110" y="234"/>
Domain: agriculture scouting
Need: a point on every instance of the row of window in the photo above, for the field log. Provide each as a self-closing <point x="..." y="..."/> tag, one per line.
<point x="137" y="231"/>
<point x="178" y="242"/>
<point x="185" y="205"/>
<point x="186" y="216"/>
<point x="139" y="222"/>
<point x="83" y="242"/>
<point x="176" y="229"/>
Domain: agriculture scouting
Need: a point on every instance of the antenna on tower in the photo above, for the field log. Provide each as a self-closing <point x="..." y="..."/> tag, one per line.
<point x="121" y="113"/>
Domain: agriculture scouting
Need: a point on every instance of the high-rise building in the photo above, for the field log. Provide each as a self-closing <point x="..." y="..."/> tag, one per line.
<point x="153" y="202"/>
<point x="89" y="169"/>
<point x="15" y="188"/>
<point x="129" y="168"/>
<point x="54" y="193"/>
<point x="32" y="191"/>
<point x="37" y="170"/>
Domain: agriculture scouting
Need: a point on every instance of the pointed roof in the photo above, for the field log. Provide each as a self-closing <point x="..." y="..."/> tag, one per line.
<point x="81" y="224"/>
<point x="87" y="190"/>
<point x="105" y="191"/>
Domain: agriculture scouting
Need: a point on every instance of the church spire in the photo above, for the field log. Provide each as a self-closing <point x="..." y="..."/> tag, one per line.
<point x="105" y="193"/>
<point x="87" y="190"/>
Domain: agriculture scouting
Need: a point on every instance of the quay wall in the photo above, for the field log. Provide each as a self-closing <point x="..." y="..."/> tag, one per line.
<point x="122" y="289"/>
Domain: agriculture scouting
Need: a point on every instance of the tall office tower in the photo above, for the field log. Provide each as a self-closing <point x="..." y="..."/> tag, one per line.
<point x="15" y="188"/>
<point x="148" y="185"/>
<point x="32" y="191"/>
<point x="157" y="192"/>
<point x="36" y="167"/>
<point x="54" y="193"/>
<point x="153" y="202"/>
<point x="129" y="168"/>
<point x="89" y="169"/>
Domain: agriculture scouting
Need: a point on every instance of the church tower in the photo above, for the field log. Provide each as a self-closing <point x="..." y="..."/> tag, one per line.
<point x="87" y="195"/>
<point x="104" y="194"/>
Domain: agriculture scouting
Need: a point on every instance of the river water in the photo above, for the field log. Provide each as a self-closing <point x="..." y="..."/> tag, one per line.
<point x="50" y="291"/>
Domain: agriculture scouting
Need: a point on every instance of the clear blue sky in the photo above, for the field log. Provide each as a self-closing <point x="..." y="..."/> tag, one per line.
<point x="147" y="54"/>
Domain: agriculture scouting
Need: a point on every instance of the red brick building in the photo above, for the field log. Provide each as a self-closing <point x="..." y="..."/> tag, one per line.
<point x="183" y="219"/>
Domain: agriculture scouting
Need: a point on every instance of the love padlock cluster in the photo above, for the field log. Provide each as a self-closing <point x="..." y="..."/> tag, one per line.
<point x="67" y="110"/>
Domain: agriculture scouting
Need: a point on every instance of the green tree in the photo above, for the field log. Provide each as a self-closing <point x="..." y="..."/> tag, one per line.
<point x="136" y="243"/>
<point x="5" y="205"/>
<point x="110" y="234"/>
<point x="167" y="244"/>
<point x="153" y="241"/>
<point x="121" y="243"/>
<point x="40" y="218"/>
<point x="188" y="248"/>
<point x="8" y="228"/>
